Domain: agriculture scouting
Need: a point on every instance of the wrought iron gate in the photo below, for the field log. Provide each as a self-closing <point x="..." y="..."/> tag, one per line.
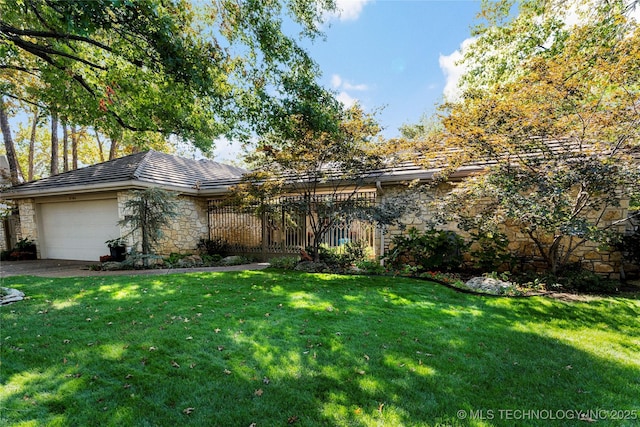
<point x="281" y="229"/>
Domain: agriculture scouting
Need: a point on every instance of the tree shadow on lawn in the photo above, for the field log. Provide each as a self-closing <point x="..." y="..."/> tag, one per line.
<point x="277" y="349"/>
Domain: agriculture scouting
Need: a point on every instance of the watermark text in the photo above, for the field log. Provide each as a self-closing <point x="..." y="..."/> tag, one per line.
<point x="549" y="414"/>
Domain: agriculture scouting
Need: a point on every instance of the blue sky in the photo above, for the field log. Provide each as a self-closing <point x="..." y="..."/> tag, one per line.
<point x="390" y="54"/>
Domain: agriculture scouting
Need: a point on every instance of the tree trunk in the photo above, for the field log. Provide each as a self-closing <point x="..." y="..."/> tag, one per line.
<point x="74" y="148"/>
<point x="32" y="143"/>
<point x="554" y="255"/>
<point x="14" y="167"/>
<point x="65" y="146"/>
<point x="113" y="149"/>
<point x="100" y="149"/>
<point x="54" y="144"/>
<point x="146" y="244"/>
<point x="316" y="248"/>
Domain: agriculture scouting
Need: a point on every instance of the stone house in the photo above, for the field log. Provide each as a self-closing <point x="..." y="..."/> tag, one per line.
<point x="71" y="215"/>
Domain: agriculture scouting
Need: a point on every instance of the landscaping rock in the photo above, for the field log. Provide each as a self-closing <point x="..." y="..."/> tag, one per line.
<point x="111" y="266"/>
<point x="311" y="267"/>
<point x="10" y="295"/>
<point x="488" y="285"/>
<point x="232" y="260"/>
<point x="148" y="261"/>
<point x="190" y="261"/>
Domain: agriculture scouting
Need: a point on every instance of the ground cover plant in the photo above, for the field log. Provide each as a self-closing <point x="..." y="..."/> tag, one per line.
<point x="270" y="348"/>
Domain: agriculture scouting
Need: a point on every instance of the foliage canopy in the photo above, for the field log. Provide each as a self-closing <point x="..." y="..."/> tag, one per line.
<point x="324" y="154"/>
<point x="553" y="112"/>
<point x="197" y="70"/>
<point x="148" y="211"/>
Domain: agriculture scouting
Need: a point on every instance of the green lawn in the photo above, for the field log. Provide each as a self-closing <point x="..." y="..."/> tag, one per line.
<point x="272" y="348"/>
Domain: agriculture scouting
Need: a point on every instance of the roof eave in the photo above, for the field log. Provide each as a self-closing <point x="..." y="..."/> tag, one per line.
<point x="93" y="188"/>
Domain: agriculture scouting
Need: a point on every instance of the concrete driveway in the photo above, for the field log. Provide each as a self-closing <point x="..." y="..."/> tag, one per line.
<point x="66" y="268"/>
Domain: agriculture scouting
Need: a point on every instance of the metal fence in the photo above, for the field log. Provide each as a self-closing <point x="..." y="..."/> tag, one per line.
<point x="282" y="228"/>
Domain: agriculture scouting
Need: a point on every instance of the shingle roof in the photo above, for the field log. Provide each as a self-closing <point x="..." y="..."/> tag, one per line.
<point x="146" y="168"/>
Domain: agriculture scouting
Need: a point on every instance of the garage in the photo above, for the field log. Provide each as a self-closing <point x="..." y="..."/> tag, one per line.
<point x="77" y="230"/>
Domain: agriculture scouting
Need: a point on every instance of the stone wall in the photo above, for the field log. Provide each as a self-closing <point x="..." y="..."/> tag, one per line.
<point x="185" y="230"/>
<point x="28" y="222"/>
<point x="419" y="216"/>
<point x="590" y="255"/>
<point x="3" y="235"/>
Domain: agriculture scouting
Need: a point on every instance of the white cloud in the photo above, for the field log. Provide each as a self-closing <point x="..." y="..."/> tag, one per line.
<point x="349" y="86"/>
<point x="453" y="70"/>
<point x="348" y="10"/>
<point x="452" y="73"/>
<point x="342" y="85"/>
<point x="577" y="12"/>
<point x="346" y="99"/>
<point x="336" y="81"/>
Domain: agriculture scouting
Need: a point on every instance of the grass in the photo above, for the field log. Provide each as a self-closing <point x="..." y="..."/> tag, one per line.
<point x="272" y="348"/>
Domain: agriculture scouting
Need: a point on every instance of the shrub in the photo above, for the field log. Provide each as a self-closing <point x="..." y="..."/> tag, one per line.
<point x="285" y="263"/>
<point x="217" y="246"/>
<point x="174" y="258"/>
<point x="629" y="245"/>
<point x="572" y="279"/>
<point x="342" y="256"/>
<point x="234" y="260"/>
<point x="6" y="255"/>
<point x="25" y="245"/>
<point x="211" y="260"/>
<point x="370" y="267"/>
<point x="430" y="250"/>
<point x="138" y="260"/>
<point x="356" y="251"/>
<point x="490" y="250"/>
<point x="330" y="255"/>
<point x="148" y="211"/>
<point x="25" y="249"/>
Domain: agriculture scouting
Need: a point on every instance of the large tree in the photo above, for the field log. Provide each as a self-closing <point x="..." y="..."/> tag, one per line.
<point x="554" y="111"/>
<point x="320" y="157"/>
<point x="162" y="66"/>
<point x="10" y="149"/>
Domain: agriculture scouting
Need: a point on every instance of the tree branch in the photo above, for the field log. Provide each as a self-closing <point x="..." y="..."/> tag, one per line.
<point x="42" y="51"/>
<point x="53" y="35"/>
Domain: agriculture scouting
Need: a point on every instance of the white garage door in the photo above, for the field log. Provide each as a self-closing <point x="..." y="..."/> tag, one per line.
<point x="78" y="230"/>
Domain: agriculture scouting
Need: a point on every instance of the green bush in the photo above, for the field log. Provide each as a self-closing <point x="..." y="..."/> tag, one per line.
<point x="285" y="263"/>
<point x="574" y="278"/>
<point x="6" y="255"/>
<point x="330" y="256"/>
<point x="174" y="257"/>
<point x="217" y="246"/>
<point x="211" y="260"/>
<point x="26" y="245"/>
<point x="371" y="267"/>
<point x="430" y="250"/>
<point x="580" y="280"/>
<point x="491" y="250"/>
<point x="629" y="245"/>
<point x="356" y="251"/>
<point x="342" y="256"/>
